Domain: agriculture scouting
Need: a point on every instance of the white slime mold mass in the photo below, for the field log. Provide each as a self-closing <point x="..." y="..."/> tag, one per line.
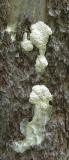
<point x="26" y="44"/>
<point x="39" y="36"/>
<point x="41" y="63"/>
<point x="34" y="130"/>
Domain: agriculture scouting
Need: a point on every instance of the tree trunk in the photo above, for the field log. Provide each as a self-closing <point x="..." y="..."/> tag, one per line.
<point x="17" y="76"/>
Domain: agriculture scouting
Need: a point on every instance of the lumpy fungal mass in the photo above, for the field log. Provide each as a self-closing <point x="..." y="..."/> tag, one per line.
<point x="34" y="130"/>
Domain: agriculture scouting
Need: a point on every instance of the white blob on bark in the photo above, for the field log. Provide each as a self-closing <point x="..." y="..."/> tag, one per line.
<point x="39" y="36"/>
<point x="34" y="130"/>
<point x="26" y="44"/>
<point x="41" y="63"/>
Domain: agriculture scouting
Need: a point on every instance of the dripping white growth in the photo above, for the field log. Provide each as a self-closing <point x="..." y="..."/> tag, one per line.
<point x="39" y="36"/>
<point x="34" y="130"/>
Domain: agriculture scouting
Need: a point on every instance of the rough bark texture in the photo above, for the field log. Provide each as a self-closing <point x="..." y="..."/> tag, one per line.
<point x="17" y="76"/>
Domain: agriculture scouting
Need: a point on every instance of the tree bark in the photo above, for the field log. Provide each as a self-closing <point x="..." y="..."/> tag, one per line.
<point x="17" y="76"/>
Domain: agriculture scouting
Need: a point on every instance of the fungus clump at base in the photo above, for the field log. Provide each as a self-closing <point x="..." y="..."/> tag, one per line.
<point x="34" y="130"/>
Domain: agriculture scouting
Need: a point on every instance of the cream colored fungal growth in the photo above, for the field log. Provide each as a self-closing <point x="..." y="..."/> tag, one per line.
<point x="39" y="36"/>
<point x="26" y="44"/>
<point x="41" y="64"/>
<point x="34" y="130"/>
